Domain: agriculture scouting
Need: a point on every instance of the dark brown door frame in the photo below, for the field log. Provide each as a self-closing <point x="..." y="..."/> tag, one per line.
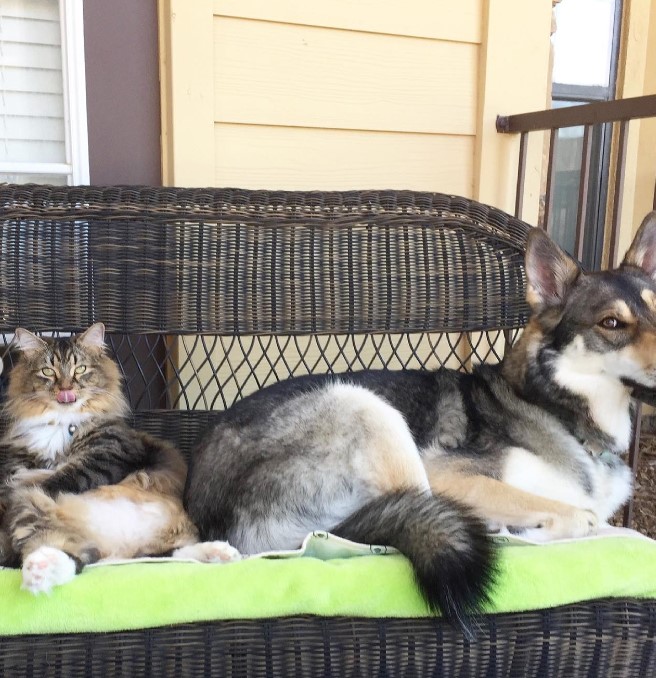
<point x="123" y="101"/>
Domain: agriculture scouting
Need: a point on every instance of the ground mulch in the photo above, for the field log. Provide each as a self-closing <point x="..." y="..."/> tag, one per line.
<point x="644" y="513"/>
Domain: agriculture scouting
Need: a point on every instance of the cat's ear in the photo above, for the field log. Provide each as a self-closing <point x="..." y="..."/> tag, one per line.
<point x="550" y="271"/>
<point x="94" y="337"/>
<point x="25" y="341"/>
<point x="642" y="252"/>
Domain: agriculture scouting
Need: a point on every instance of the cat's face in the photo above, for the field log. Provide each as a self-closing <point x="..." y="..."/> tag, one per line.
<point x="68" y="374"/>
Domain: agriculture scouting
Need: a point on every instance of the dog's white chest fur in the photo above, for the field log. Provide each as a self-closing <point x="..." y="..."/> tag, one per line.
<point x="590" y="375"/>
<point x="610" y="481"/>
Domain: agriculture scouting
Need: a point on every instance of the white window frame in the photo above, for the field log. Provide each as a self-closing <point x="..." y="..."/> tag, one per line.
<point x="76" y="167"/>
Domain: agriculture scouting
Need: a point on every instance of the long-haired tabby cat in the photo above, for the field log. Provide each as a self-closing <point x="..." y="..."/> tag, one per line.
<point x="77" y="483"/>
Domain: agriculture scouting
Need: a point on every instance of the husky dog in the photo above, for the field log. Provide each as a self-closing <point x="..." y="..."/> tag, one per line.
<point x="428" y="461"/>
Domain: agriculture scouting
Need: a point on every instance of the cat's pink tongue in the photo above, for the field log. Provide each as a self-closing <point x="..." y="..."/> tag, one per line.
<point x="66" y="397"/>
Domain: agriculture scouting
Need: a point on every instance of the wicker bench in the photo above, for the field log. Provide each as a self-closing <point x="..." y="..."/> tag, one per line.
<point x="209" y="294"/>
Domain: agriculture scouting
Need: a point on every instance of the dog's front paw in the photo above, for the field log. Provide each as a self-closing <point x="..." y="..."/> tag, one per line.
<point x="573" y="524"/>
<point x="209" y="552"/>
<point x="576" y="523"/>
<point x="45" y="568"/>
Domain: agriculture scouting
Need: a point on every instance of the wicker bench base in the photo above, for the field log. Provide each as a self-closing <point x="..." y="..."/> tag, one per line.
<point x="599" y="638"/>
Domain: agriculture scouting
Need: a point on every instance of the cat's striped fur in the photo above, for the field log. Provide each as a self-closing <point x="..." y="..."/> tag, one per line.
<point x="78" y="484"/>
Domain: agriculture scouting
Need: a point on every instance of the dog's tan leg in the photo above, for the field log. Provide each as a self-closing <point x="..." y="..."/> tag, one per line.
<point x="503" y="504"/>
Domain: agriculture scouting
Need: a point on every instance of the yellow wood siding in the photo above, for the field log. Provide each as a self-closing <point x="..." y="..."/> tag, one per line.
<point x="259" y="156"/>
<point x="440" y="19"/>
<point x="300" y="106"/>
<point x="280" y="74"/>
<point x="637" y="77"/>
<point x="298" y="95"/>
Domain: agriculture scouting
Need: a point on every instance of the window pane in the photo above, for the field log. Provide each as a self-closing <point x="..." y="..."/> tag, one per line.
<point x="24" y="178"/>
<point x="31" y="82"/>
<point x="583" y="42"/>
<point x="567" y="158"/>
<point x="564" y="209"/>
<point x="567" y="163"/>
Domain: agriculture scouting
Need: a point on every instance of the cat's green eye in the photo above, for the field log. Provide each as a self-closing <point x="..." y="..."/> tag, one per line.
<point x="80" y="369"/>
<point x="48" y="372"/>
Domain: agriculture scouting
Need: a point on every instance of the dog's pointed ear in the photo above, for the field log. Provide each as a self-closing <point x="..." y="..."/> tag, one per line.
<point x="550" y="271"/>
<point x="642" y="252"/>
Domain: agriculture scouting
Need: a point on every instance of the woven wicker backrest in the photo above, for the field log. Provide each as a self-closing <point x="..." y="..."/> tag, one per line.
<point x="208" y="294"/>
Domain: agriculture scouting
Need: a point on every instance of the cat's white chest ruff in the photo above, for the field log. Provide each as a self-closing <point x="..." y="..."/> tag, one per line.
<point x="49" y="438"/>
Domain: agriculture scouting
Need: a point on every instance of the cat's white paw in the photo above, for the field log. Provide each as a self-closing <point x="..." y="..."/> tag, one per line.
<point x="46" y="567"/>
<point x="209" y="552"/>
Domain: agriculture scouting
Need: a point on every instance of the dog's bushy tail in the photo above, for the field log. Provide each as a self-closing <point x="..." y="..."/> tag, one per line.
<point x="452" y="556"/>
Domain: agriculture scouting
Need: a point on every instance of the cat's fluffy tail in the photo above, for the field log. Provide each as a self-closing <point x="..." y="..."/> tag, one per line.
<point x="451" y="554"/>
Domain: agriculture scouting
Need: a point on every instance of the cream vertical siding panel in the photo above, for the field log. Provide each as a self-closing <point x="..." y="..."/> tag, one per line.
<point x="297" y="158"/>
<point x="637" y="77"/>
<point x="280" y="74"/>
<point x="646" y="161"/>
<point x="187" y="87"/>
<point x="440" y="19"/>
<point x="514" y="78"/>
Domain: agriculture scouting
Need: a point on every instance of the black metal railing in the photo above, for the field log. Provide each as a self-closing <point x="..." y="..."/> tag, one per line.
<point x="619" y="113"/>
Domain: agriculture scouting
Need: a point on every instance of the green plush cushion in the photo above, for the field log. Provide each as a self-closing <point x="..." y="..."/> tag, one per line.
<point x="141" y="595"/>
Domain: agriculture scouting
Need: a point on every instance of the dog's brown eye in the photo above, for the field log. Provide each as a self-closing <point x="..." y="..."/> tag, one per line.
<point x="611" y="323"/>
